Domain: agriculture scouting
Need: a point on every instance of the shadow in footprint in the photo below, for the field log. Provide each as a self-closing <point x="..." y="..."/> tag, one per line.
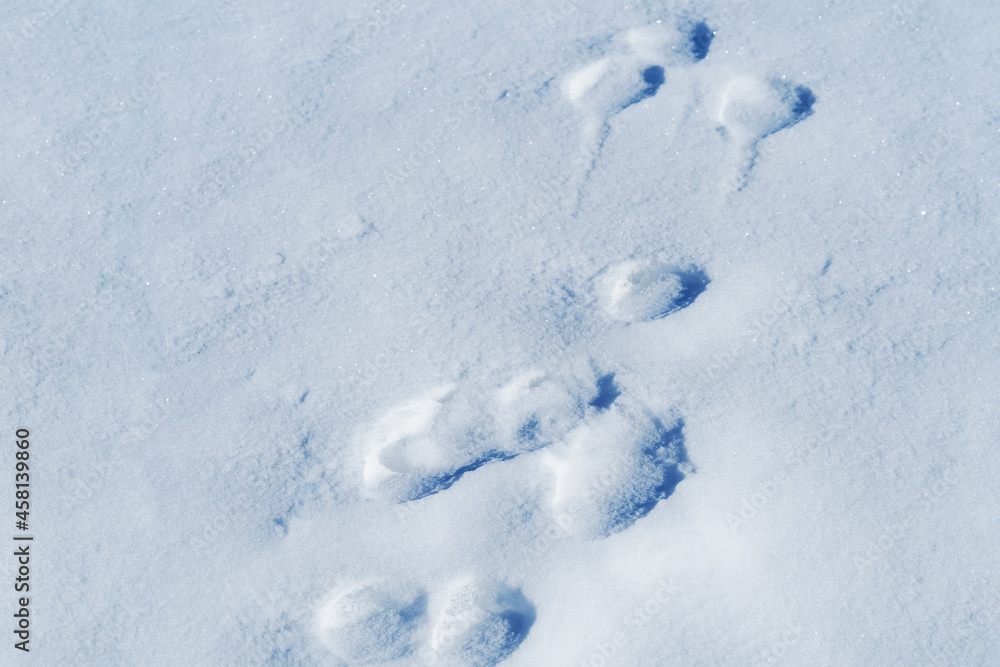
<point x="412" y="613"/>
<point x="693" y="283"/>
<point x="514" y="622"/>
<point x="509" y="630"/>
<point x="661" y="465"/>
<point x="653" y="77"/>
<point x="673" y="442"/>
<point x="701" y="39"/>
<point x="804" y="100"/>
<point x="429" y="485"/>
<point x="800" y="102"/>
<point x="607" y="392"/>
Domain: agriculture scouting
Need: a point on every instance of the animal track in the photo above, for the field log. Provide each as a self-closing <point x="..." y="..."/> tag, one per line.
<point x="481" y="624"/>
<point x="426" y="444"/>
<point x="611" y="461"/>
<point x="751" y="109"/>
<point x="369" y="623"/>
<point x="633" y="72"/>
<point x="614" y="468"/>
<point x="608" y="458"/>
<point x="644" y="290"/>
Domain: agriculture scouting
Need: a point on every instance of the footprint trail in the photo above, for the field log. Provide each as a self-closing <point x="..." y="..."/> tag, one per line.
<point x="634" y="71"/>
<point x="600" y="457"/>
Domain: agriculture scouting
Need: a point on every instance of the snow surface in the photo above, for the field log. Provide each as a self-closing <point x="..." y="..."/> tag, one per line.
<point x="553" y="333"/>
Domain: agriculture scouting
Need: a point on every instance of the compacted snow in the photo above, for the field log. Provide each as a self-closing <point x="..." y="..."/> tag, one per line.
<point x="551" y="333"/>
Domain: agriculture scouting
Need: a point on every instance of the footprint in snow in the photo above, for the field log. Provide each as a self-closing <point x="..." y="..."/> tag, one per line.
<point x="610" y="459"/>
<point x="751" y="109"/>
<point x="480" y="624"/>
<point x="371" y="622"/>
<point x="633" y="71"/>
<point x="473" y="623"/>
<point x="614" y="468"/>
<point x="747" y="108"/>
<point x="641" y="290"/>
<point x="428" y="443"/>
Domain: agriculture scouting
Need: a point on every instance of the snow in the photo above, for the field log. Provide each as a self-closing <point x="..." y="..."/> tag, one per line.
<point x="535" y="334"/>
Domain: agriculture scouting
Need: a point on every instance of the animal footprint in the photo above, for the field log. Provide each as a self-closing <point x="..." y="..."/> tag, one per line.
<point x="426" y="444"/>
<point x="644" y="290"/>
<point x="750" y="109"/>
<point x="614" y="468"/>
<point x="370" y="623"/>
<point x="634" y="71"/>
<point x="747" y="108"/>
<point x="481" y="624"/>
<point x="611" y="461"/>
<point x="405" y="459"/>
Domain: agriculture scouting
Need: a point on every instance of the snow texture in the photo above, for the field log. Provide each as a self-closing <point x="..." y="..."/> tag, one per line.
<point x="511" y="333"/>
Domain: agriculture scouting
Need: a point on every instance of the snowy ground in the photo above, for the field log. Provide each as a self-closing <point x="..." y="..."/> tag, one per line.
<point x="553" y="333"/>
